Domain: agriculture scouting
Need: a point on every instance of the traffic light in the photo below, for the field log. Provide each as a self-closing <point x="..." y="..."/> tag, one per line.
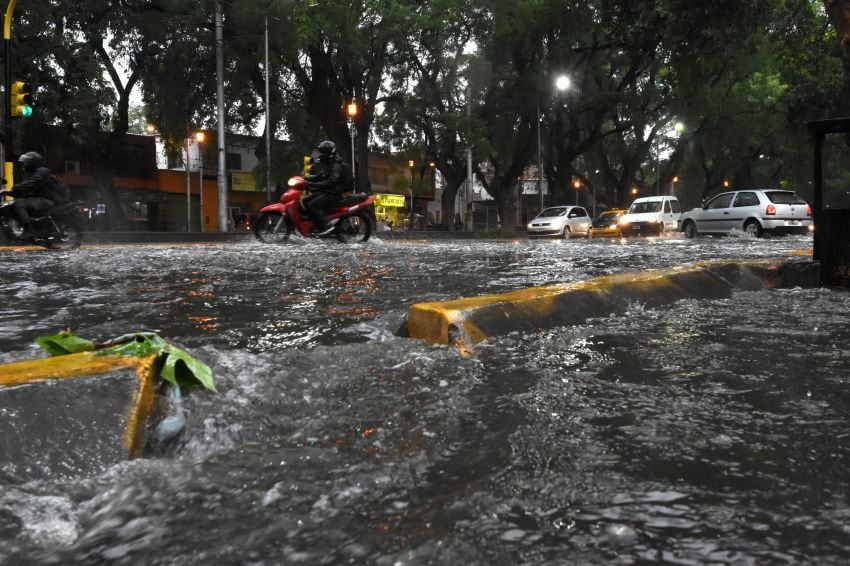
<point x="21" y="99"/>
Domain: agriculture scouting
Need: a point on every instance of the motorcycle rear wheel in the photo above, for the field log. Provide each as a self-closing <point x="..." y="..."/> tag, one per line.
<point x="73" y="235"/>
<point x="357" y="228"/>
<point x="272" y="228"/>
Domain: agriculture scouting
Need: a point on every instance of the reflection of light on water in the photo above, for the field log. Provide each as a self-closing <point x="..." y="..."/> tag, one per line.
<point x="200" y="293"/>
<point x="353" y="287"/>
<point x="274" y="335"/>
<point x="205" y="324"/>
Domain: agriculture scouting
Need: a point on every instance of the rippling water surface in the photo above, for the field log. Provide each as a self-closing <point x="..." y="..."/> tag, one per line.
<point x="705" y="432"/>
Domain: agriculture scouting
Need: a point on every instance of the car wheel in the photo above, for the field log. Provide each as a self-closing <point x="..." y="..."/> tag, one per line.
<point x="567" y="233"/>
<point x="690" y="229"/>
<point x="753" y="228"/>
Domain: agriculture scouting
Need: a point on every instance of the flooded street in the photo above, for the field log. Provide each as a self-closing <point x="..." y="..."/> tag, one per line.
<point x="707" y="432"/>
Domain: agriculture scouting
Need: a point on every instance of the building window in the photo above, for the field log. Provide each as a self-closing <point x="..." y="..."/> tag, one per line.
<point x="234" y="161"/>
<point x="137" y="210"/>
<point x="378" y="176"/>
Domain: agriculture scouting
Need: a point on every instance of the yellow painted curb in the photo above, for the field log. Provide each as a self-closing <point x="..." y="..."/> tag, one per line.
<point x="92" y="363"/>
<point x="465" y="322"/>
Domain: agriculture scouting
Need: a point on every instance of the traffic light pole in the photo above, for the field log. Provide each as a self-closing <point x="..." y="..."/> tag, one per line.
<point x="8" y="176"/>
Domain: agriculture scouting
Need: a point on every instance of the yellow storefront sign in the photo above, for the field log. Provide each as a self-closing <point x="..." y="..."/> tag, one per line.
<point x="243" y="181"/>
<point x="391" y="201"/>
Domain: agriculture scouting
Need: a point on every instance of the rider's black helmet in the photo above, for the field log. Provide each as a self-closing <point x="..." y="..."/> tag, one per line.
<point x="31" y="161"/>
<point x="327" y="150"/>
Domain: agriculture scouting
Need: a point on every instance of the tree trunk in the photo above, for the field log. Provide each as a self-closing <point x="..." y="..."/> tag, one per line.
<point x="839" y="14"/>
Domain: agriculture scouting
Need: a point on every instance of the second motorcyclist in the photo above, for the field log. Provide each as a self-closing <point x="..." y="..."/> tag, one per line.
<point x="37" y="194"/>
<point x="326" y="186"/>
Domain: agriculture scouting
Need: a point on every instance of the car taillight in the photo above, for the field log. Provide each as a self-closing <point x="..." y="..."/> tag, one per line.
<point x="808" y="211"/>
<point x="771" y="210"/>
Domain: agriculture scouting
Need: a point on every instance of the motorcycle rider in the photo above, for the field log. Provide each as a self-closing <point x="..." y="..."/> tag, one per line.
<point x="40" y="192"/>
<point x="326" y="186"/>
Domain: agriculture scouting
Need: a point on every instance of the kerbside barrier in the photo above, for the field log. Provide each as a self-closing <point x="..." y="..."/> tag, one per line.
<point x="465" y="322"/>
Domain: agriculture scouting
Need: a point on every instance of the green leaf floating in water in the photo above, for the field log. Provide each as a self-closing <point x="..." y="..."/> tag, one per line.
<point x="183" y="370"/>
<point x="178" y="367"/>
<point x="64" y="343"/>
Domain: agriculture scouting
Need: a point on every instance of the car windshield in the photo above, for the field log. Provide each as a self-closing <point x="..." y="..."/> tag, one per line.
<point x="605" y="219"/>
<point x="784" y="197"/>
<point x="649" y="206"/>
<point x="554" y="211"/>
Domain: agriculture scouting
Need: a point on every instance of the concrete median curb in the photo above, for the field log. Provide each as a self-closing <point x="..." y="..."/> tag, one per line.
<point x="465" y="322"/>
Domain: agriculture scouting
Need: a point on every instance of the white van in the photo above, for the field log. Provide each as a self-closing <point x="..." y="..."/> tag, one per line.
<point x="651" y="216"/>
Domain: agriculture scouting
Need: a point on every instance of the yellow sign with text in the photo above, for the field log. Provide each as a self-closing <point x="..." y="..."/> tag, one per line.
<point x="243" y="181"/>
<point x="392" y="201"/>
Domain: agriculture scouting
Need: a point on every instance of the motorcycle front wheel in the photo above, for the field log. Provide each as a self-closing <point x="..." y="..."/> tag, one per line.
<point x="272" y="228"/>
<point x="71" y="234"/>
<point x="356" y="228"/>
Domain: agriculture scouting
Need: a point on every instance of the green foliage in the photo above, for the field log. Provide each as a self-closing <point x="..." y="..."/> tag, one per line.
<point x="743" y="76"/>
<point x="64" y="343"/>
<point x="178" y="366"/>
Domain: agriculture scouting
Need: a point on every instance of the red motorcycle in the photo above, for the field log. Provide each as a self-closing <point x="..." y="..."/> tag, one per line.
<point x="352" y="218"/>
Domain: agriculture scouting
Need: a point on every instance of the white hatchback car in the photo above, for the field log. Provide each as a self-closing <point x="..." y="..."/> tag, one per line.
<point x="560" y="221"/>
<point x="652" y="216"/>
<point x="752" y="211"/>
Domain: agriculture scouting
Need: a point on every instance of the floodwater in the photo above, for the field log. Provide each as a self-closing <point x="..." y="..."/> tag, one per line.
<point x="704" y="432"/>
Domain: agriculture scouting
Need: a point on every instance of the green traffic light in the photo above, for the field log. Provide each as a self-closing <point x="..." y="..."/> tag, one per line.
<point x="26" y="111"/>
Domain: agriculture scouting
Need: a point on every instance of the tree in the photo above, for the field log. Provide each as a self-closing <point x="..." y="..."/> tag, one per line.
<point x="86" y="42"/>
<point x="428" y="99"/>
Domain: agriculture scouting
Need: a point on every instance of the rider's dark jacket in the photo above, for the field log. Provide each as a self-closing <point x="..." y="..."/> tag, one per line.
<point x="42" y="184"/>
<point x="330" y="177"/>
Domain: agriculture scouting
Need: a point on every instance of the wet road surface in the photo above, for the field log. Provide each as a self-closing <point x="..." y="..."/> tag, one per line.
<point x="705" y="432"/>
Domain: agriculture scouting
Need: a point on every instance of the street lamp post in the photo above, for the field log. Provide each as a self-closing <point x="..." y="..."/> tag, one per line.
<point x="199" y="137"/>
<point x="188" y="189"/>
<point x="562" y="83"/>
<point x="351" y="110"/>
<point x="410" y="222"/>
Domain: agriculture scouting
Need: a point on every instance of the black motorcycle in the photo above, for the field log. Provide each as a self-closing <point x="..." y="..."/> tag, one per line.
<point x="60" y="228"/>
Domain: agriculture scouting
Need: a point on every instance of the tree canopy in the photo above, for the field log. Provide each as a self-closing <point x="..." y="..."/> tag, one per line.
<point x="707" y="93"/>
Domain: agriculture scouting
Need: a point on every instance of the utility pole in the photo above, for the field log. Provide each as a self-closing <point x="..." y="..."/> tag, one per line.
<point x="8" y="171"/>
<point x="467" y="214"/>
<point x="268" y="121"/>
<point x="222" y="156"/>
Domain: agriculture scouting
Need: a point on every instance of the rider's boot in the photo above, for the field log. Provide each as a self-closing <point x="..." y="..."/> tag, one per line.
<point x="327" y="229"/>
<point x="27" y="234"/>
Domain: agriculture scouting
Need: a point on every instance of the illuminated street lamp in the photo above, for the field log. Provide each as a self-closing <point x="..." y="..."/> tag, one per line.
<point x="351" y="112"/>
<point x="674" y="183"/>
<point x="679" y="127"/>
<point x="562" y="83"/>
